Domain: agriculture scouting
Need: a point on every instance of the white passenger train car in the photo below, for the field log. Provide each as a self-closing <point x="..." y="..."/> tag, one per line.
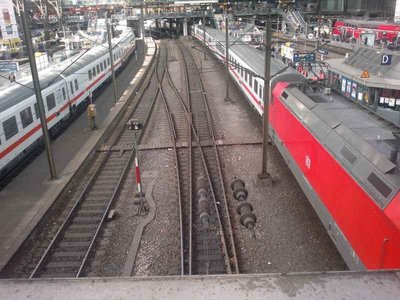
<point x="65" y="89"/>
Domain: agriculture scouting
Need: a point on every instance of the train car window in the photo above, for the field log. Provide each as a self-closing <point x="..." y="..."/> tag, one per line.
<point x="261" y="92"/>
<point x="51" y="101"/>
<point x="101" y="67"/>
<point x="108" y="61"/>
<point x="71" y="87"/>
<point x="76" y="84"/>
<point x="94" y="72"/>
<point x="36" y="107"/>
<point x="26" y="117"/>
<point x="98" y="69"/>
<point x="256" y="86"/>
<point x="105" y="64"/>
<point x="10" y="127"/>
<point x="63" y="93"/>
<point x="246" y="75"/>
<point x="251" y="80"/>
<point x="90" y="74"/>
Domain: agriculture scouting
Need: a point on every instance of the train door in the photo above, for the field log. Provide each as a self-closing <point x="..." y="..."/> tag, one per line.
<point x="62" y="102"/>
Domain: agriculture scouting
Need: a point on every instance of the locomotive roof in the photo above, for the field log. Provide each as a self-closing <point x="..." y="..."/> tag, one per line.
<point x="250" y="55"/>
<point x="365" y="132"/>
<point x="15" y="94"/>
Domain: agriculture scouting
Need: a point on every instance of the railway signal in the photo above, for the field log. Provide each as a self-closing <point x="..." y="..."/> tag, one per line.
<point x="135" y="126"/>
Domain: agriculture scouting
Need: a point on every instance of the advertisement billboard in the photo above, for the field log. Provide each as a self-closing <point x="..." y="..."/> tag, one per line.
<point x="397" y="12"/>
<point x="8" y="23"/>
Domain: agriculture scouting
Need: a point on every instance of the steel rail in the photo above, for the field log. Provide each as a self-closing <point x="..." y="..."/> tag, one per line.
<point x="206" y="168"/>
<point x="188" y="115"/>
<point x="178" y="170"/>
<point x="233" y="257"/>
<point x="64" y="227"/>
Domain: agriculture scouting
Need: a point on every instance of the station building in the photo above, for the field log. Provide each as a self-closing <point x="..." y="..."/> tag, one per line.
<point x="369" y="77"/>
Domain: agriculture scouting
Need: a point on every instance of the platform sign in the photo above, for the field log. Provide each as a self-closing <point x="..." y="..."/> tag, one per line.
<point x="307" y="57"/>
<point x="386" y="60"/>
<point x="323" y="51"/>
<point x="365" y="74"/>
<point x="9" y="66"/>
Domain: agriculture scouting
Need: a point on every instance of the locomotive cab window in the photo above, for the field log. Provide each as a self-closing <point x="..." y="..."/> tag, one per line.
<point x="10" y="127"/>
<point x="26" y="117"/>
<point x="51" y="101"/>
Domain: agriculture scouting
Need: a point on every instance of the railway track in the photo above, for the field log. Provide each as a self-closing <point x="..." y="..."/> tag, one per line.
<point x="207" y="245"/>
<point x="70" y="249"/>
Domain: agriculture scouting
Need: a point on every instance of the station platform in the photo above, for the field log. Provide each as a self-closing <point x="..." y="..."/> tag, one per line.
<point x="25" y="200"/>
<point x="334" y="285"/>
<point x="369" y="78"/>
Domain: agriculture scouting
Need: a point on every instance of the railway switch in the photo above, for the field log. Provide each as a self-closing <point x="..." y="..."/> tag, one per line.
<point x="240" y="193"/>
<point x="245" y="210"/>
<point x="134" y="124"/>
<point x="204" y="203"/>
<point x="247" y="218"/>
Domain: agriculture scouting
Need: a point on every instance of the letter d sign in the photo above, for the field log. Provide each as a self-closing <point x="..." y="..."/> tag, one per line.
<point x="386" y="59"/>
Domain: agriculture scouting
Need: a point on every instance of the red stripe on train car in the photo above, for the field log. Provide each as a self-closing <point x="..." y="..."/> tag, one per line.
<point x="31" y="132"/>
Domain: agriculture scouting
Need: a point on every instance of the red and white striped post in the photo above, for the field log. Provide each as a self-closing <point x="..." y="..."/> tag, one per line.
<point x="135" y="125"/>
<point x="137" y="173"/>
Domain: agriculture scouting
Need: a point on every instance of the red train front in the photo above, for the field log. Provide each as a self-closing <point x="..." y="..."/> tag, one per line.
<point x="337" y="153"/>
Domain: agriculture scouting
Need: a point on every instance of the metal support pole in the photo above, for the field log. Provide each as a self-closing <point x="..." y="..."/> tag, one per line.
<point x="264" y="175"/>
<point x="38" y="93"/>
<point x="141" y="20"/>
<point x="114" y="83"/>
<point x="204" y="36"/>
<point x="306" y="37"/>
<point x="227" y="59"/>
